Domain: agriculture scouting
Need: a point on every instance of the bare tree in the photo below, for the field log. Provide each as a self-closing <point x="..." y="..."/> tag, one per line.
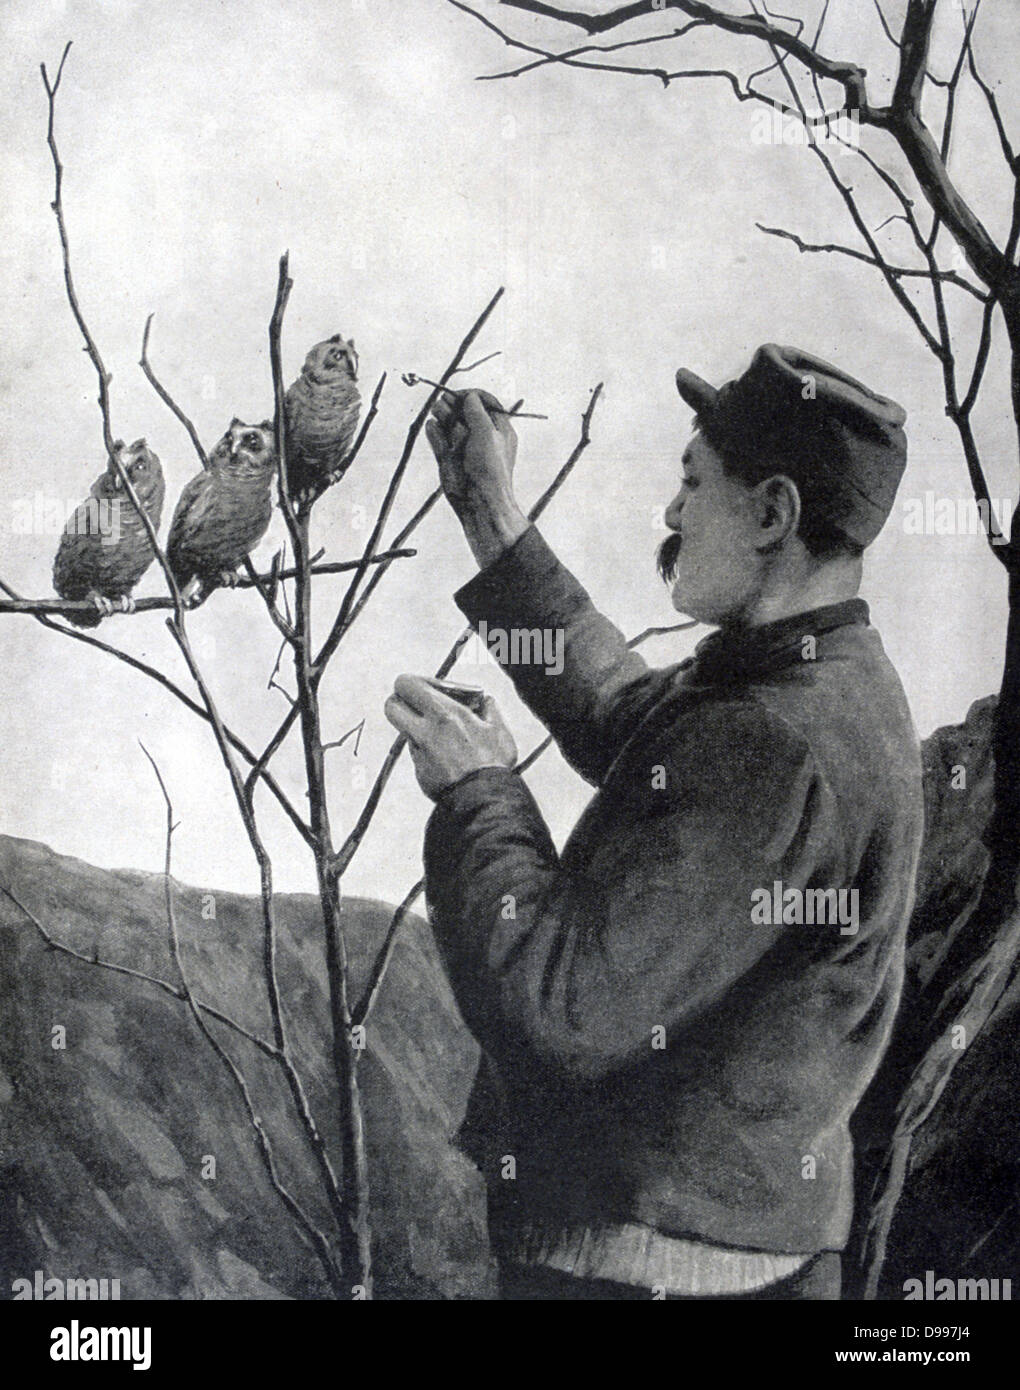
<point x="949" y="252"/>
<point x="345" y="1252"/>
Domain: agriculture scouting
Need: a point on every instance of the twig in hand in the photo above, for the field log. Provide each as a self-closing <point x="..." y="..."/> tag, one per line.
<point x="413" y="379"/>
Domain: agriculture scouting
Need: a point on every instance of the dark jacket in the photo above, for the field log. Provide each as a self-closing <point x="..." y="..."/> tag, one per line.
<point x="653" y="1051"/>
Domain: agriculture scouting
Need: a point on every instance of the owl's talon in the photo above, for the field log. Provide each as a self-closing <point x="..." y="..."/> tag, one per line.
<point x="104" y="604"/>
<point x="125" y="604"/>
<point x="192" y="594"/>
<point x="228" y="579"/>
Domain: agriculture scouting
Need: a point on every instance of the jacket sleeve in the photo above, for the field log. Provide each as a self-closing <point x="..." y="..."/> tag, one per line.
<point x="645" y="923"/>
<point x="603" y="690"/>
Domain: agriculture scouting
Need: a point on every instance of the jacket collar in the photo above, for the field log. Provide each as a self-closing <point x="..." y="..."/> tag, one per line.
<point x="741" y="650"/>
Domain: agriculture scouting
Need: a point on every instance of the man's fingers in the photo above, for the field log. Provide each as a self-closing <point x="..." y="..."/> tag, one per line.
<point x="436" y="436"/>
<point x="446" y="408"/>
<point x="423" y="697"/>
<point x="404" y="718"/>
<point x="483" y="408"/>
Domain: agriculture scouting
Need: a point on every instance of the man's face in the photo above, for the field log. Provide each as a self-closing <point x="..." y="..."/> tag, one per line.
<point x="712" y="562"/>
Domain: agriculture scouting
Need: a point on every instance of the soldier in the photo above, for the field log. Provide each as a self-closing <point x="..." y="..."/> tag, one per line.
<point x="668" y="1070"/>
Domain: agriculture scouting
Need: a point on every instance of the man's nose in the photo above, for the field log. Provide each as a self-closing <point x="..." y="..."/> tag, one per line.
<point x="672" y="517"/>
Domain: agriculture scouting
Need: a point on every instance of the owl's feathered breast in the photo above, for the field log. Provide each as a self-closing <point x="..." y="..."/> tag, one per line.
<point x="322" y="417"/>
<point x="217" y="522"/>
<point x="104" y="546"/>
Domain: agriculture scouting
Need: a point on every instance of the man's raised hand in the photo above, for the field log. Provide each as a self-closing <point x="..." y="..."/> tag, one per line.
<point x="476" y="447"/>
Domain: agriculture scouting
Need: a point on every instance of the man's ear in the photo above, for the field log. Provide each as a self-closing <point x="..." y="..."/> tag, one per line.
<point x="777" y="507"/>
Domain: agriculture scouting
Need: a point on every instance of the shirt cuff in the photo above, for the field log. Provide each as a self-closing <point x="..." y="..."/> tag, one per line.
<point x="449" y="802"/>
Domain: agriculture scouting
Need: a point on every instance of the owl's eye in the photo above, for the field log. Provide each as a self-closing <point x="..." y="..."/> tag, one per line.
<point x="253" y="441"/>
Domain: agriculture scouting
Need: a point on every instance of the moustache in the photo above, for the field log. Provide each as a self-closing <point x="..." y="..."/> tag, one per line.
<point x="668" y="557"/>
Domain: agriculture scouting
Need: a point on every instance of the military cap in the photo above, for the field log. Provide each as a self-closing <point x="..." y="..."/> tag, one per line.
<point x="840" y="442"/>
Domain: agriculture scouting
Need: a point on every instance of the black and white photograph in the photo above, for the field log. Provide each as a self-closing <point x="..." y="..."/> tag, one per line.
<point x="510" y="630"/>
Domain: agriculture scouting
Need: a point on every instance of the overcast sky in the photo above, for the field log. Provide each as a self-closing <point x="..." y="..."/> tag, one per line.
<point x="201" y="140"/>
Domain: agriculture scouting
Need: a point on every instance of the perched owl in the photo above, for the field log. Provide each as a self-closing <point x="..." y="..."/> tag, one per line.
<point x="223" y="512"/>
<point x="105" y="549"/>
<point x="322" y="414"/>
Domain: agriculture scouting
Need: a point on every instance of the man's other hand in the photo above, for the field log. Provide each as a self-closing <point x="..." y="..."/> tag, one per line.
<point x="446" y="739"/>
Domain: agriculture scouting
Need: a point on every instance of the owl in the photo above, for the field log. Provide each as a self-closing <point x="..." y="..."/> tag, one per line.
<point x="104" y="549"/>
<point x="223" y="512"/>
<point x="322" y="414"/>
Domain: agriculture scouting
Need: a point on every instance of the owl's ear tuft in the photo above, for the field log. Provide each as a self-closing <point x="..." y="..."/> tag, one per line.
<point x="266" y="425"/>
<point x="235" y="421"/>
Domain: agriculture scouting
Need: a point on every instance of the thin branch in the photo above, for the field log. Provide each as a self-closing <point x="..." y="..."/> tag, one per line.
<point x="366" y="424"/>
<point x="174" y="991"/>
<point x="350" y="845"/>
<point x="849" y="76"/>
<point x="941" y="347"/>
<point x="316" y="1237"/>
<point x="742" y="93"/>
<point x="149" y="605"/>
<point x="566" y="57"/>
<point x="980" y="359"/>
<point x="902" y="118"/>
<point x="110" y="444"/>
<point x="846" y="193"/>
<point x="284" y="285"/>
<point x="274" y="684"/>
<point x="332" y="642"/>
<point x="1009" y="153"/>
<point x="166" y="397"/>
<point x="885" y="26"/>
<point x="921" y="272"/>
<point x="479" y="362"/>
<point x="340" y="622"/>
<point x="57" y="206"/>
<point x="354" y="733"/>
<point x="158" y="676"/>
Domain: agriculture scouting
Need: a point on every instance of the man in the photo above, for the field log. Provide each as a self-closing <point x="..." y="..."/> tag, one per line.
<point x="679" y="1014"/>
